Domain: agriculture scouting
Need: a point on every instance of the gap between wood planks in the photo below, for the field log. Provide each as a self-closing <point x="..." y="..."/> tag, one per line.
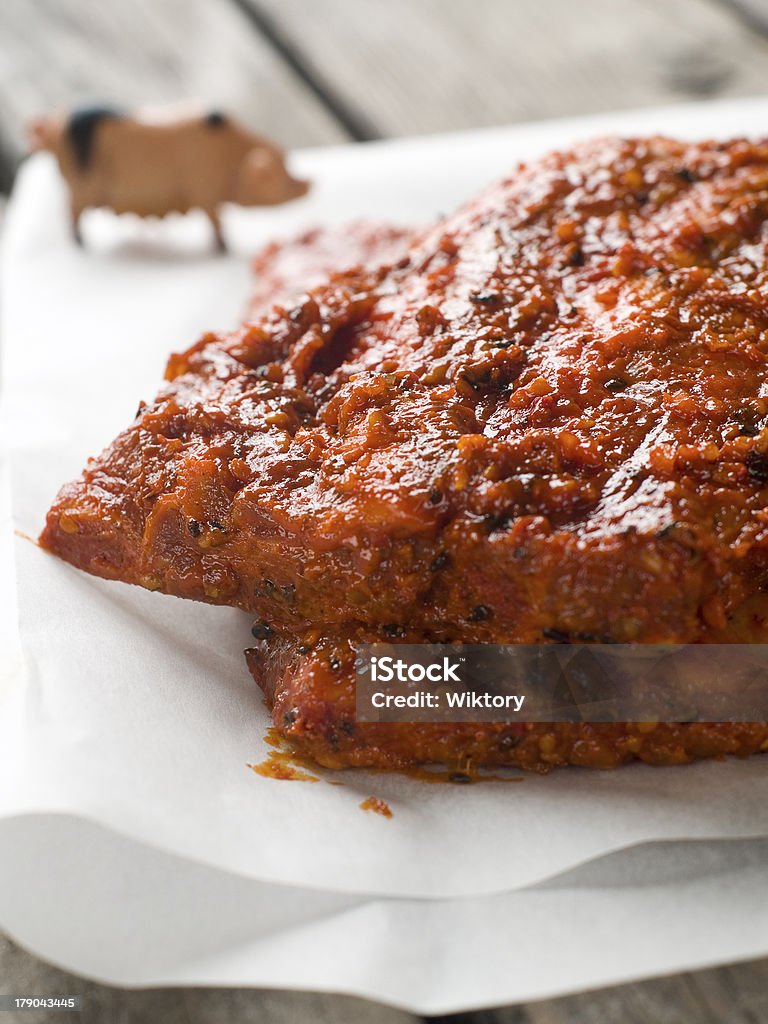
<point x="359" y="127"/>
<point x="8" y="163"/>
<point x="753" y="14"/>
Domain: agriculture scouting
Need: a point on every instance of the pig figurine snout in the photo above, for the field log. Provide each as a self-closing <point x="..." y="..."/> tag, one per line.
<point x="264" y="181"/>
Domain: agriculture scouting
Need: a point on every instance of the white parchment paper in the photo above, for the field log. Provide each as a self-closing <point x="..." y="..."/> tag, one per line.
<point x="127" y="914"/>
<point x="133" y="712"/>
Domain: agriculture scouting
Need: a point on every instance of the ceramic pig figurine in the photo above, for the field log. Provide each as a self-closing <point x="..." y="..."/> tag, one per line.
<point x="153" y="167"/>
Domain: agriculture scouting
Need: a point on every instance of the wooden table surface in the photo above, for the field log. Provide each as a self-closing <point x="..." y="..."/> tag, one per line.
<point x="310" y="72"/>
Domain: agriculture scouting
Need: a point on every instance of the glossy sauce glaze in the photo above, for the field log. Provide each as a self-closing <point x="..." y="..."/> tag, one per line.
<point x="548" y="417"/>
<point x="546" y="421"/>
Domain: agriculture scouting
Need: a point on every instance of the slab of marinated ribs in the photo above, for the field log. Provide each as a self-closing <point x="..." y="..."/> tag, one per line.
<point x="546" y="421"/>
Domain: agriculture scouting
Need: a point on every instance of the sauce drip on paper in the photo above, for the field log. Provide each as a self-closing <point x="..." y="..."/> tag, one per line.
<point x="283" y="763"/>
<point x="377" y="805"/>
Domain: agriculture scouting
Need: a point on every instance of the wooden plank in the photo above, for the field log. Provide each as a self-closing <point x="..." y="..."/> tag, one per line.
<point x="412" y="66"/>
<point x="737" y="994"/>
<point x="57" y="53"/>
<point x="358" y="127"/>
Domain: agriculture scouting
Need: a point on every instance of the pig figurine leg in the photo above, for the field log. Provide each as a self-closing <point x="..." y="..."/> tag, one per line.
<point x="213" y="216"/>
<point x="75" y="213"/>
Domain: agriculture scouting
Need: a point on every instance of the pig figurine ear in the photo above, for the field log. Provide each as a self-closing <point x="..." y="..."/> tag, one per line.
<point x="44" y="133"/>
<point x="263" y="179"/>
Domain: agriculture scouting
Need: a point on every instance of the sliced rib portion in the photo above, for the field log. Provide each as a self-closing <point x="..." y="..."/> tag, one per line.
<point x="310" y="685"/>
